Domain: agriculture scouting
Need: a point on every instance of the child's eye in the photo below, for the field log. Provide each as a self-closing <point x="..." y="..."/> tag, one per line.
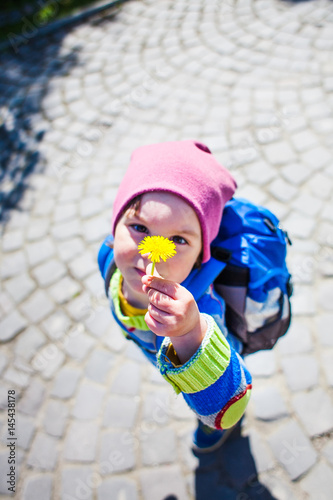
<point x="139" y="228"/>
<point x="179" y="239"/>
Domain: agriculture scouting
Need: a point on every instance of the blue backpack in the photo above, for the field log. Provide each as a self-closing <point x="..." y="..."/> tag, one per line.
<point x="248" y="269"/>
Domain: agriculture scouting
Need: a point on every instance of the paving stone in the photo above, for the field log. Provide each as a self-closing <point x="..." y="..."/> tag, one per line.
<point x="252" y="193"/>
<point x="49" y="272"/>
<point x="325" y="295"/>
<point x="327" y="212"/>
<point x="90" y="206"/>
<point x="3" y="362"/>
<point x="33" y="398"/>
<point x="117" y="452"/>
<point x="16" y="377"/>
<point x="48" y="360"/>
<point x="298" y="339"/>
<point x="78" y="482"/>
<point x="55" y="418"/>
<point x="292" y="449"/>
<point x="315" y="411"/>
<point x="120" y="488"/>
<point x="127" y="380"/>
<point x="39" y="252"/>
<point x="328" y="452"/>
<point x="269" y="404"/>
<point x="12" y="325"/>
<point x="68" y="143"/>
<point x="324" y="235"/>
<point x="163" y="482"/>
<point x="70" y="249"/>
<point x="37" y="307"/>
<point x="321" y="185"/>
<point x="99" y="365"/>
<point x="300" y="371"/>
<point x="120" y="412"/>
<point x="282" y="190"/>
<point x="12" y="240"/>
<point x="57" y="325"/>
<point x="326" y="359"/>
<point x="82" y="266"/>
<point x="279" y="153"/>
<point x="37" y="230"/>
<point x="13" y="264"/>
<point x="64" y="290"/>
<point x="158" y="446"/>
<point x="99" y="322"/>
<point x="66" y="230"/>
<point x="20" y="287"/>
<point x="260" y="173"/>
<point x="80" y="308"/>
<point x="302" y="301"/>
<point x="43" y="454"/>
<point x="113" y="338"/>
<point x="317" y="158"/>
<point x="7" y="305"/>
<point x="260" y="451"/>
<point x="296" y="173"/>
<point x="133" y="353"/>
<point x="304" y="140"/>
<point x="64" y="212"/>
<point x="88" y="403"/>
<point x="26" y="427"/>
<point x="319" y="482"/>
<point x="307" y="204"/>
<point x="65" y="382"/>
<point x="3" y="467"/>
<point x="78" y="344"/>
<point x="95" y="229"/>
<point x="156" y="407"/>
<point x="38" y="487"/>
<point x="302" y="267"/>
<point x="277" y="485"/>
<point x="81" y="442"/>
<point x="261" y="363"/>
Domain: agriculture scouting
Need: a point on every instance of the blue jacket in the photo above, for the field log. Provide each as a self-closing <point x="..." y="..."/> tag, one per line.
<point x="214" y="382"/>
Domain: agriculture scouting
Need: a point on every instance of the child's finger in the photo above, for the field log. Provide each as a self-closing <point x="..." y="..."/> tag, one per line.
<point x="157" y="321"/>
<point x="169" y="288"/>
<point x="161" y="300"/>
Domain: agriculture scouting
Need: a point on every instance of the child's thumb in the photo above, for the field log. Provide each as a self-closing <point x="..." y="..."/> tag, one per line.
<point x="149" y="268"/>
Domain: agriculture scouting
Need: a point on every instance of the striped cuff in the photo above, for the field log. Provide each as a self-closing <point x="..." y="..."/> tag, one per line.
<point x="204" y="368"/>
<point x="130" y="321"/>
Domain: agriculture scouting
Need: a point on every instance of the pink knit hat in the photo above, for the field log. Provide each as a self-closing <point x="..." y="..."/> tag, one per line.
<point x="186" y="169"/>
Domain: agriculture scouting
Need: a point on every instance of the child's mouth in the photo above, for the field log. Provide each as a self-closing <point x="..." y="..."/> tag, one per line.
<point x="140" y="272"/>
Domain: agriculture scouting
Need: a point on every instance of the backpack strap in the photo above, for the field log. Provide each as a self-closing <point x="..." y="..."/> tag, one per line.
<point x="105" y="261"/>
<point x="200" y="279"/>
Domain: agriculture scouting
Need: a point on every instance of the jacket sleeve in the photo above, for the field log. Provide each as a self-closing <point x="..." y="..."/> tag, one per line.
<point x="215" y="382"/>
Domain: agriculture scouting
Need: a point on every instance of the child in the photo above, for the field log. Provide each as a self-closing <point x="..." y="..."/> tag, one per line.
<point x="178" y="190"/>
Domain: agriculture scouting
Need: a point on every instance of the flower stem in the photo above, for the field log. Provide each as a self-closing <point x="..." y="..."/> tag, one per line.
<point x="153" y="269"/>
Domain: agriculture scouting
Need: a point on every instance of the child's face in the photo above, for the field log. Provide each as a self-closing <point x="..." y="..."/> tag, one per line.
<point x="162" y="214"/>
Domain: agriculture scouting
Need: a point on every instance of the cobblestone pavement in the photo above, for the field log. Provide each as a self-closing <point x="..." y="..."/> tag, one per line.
<point x="254" y="80"/>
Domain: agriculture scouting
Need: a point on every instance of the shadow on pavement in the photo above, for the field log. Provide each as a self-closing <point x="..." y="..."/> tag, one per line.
<point x="28" y="68"/>
<point x="229" y="474"/>
<point x="26" y="71"/>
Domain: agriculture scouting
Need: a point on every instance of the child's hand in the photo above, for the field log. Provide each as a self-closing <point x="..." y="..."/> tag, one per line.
<point x="173" y="312"/>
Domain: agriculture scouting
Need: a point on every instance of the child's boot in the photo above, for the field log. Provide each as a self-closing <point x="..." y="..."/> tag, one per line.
<point x="206" y="439"/>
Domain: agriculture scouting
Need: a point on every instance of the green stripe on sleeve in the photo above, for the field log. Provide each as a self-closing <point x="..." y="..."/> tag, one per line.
<point x="133" y="321"/>
<point x="204" y="368"/>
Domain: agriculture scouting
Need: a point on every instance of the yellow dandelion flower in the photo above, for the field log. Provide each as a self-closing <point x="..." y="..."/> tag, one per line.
<point x="158" y="248"/>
